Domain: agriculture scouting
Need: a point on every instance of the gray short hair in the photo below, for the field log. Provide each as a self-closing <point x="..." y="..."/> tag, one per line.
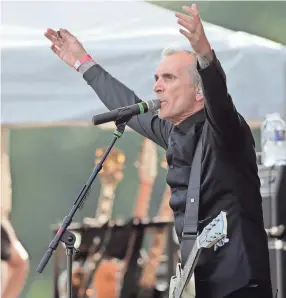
<point x="193" y="70"/>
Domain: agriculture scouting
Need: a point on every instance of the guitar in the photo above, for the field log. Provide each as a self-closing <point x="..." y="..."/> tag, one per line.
<point x="109" y="276"/>
<point x="101" y="278"/>
<point x="214" y="234"/>
<point x="148" y="278"/>
<point x="147" y="172"/>
<point x="85" y="270"/>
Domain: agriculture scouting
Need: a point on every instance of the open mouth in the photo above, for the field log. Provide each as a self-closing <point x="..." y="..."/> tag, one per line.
<point x="163" y="102"/>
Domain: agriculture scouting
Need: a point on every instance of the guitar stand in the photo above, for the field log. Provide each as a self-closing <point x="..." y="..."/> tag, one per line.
<point x="119" y="231"/>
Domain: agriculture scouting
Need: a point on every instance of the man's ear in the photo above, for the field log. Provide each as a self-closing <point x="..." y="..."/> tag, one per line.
<point x="199" y="93"/>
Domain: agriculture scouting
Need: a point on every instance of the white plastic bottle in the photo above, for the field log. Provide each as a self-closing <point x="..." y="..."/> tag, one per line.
<point x="273" y="140"/>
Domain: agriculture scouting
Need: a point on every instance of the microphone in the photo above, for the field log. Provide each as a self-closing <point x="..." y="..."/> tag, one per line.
<point x="124" y="114"/>
<point x="276" y="232"/>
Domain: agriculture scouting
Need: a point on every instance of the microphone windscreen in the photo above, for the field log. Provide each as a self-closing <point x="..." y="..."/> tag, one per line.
<point x="153" y="105"/>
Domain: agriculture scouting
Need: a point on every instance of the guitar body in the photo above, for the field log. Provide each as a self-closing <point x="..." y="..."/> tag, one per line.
<point x="213" y="235"/>
<point x="190" y="289"/>
<point x="174" y="280"/>
<point x="106" y="280"/>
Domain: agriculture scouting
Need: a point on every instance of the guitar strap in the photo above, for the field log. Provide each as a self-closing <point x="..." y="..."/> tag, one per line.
<point x="190" y="228"/>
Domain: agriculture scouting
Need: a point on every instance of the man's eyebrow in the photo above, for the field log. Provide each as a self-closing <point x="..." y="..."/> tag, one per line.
<point x="165" y="75"/>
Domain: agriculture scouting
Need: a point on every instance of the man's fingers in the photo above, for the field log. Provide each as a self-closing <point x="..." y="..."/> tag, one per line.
<point x="193" y="11"/>
<point x="194" y="8"/>
<point x="56" y="41"/>
<point x="49" y="36"/>
<point x="67" y="31"/>
<point x="186" y="33"/>
<point x="188" y="26"/>
<point x="56" y="50"/>
<point x="183" y="17"/>
<point x="51" y="32"/>
<point x="66" y="35"/>
<point x="52" y="36"/>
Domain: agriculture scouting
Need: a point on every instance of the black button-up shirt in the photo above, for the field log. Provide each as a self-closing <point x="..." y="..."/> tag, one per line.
<point x="183" y="140"/>
<point x="229" y="179"/>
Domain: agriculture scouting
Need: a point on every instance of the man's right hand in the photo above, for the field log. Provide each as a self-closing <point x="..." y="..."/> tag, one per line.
<point x="66" y="46"/>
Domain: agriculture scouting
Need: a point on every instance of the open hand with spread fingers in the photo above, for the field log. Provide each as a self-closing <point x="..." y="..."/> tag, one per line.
<point x="194" y="30"/>
<point x="66" y="46"/>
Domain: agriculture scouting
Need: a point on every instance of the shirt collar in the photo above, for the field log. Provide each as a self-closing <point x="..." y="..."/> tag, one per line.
<point x="198" y="117"/>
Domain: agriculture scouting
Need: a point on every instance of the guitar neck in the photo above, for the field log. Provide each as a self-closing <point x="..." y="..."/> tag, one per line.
<point x="188" y="269"/>
<point x="105" y="204"/>
<point x="159" y="238"/>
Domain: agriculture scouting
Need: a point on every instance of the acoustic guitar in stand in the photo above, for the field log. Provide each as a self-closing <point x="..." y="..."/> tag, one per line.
<point x="148" y="279"/>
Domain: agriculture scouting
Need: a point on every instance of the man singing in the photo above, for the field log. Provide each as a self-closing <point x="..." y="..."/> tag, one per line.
<point x="191" y="87"/>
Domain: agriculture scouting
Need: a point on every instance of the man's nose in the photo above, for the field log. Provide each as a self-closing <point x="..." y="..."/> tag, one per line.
<point x="158" y="88"/>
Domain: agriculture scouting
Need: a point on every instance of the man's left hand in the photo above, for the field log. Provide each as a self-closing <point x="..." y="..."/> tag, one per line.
<point x="195" y="31"/>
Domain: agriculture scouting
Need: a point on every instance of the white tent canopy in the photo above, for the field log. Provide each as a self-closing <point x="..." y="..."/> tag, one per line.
<point x="126" y="38"/>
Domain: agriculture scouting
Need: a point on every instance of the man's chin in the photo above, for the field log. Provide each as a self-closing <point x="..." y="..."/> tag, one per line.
<point x="162" y="115"/>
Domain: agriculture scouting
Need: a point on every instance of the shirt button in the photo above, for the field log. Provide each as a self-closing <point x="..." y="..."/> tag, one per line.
<point x="173" y="143"/>
<point x="174" y="189"/>
<point x="171" y="166"/>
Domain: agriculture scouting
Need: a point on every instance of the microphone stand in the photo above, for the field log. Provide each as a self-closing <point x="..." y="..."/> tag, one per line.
<point x="63" y="234"/>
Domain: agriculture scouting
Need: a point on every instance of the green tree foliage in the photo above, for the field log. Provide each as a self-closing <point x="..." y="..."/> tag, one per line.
<point x="263" y="18"/>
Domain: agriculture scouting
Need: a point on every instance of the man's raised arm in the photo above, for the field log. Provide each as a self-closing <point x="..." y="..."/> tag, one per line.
<point x="220" y="110"/>
<point x="111" y="92"/>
